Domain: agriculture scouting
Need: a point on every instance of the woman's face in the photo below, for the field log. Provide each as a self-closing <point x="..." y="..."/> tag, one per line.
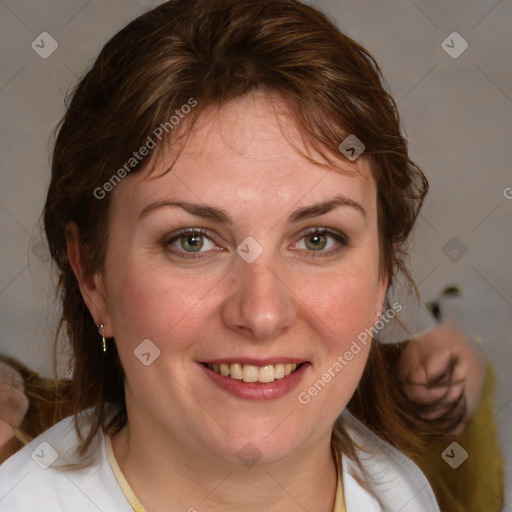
<point x="244" y="259"/>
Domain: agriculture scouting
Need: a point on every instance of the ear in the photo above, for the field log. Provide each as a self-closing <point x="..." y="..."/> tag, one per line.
<point x="91" y="285"/>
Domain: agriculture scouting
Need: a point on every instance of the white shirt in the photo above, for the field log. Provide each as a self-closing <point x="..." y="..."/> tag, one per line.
<point x="30" y="482"/>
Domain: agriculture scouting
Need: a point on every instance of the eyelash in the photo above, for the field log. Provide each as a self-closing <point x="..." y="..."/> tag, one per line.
<point x="340" y="237"/>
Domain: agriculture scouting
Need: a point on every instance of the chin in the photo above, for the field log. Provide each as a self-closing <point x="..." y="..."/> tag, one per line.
<point x="262" y="442"/>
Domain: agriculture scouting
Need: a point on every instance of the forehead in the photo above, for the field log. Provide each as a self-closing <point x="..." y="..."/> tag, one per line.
<point x="246" y="150"/>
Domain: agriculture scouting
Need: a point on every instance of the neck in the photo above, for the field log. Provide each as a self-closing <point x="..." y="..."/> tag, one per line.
<point x="161" y="473"/>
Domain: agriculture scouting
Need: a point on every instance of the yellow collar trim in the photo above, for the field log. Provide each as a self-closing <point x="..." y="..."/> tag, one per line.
<point x="121" y="480"/>
<point x="339" y="502"/>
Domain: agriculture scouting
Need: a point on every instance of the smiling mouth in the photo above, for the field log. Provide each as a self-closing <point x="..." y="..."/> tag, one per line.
<point x="252" y="373"/>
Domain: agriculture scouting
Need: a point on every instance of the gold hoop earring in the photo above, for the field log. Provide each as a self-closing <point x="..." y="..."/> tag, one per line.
<point x="102" y="334"/>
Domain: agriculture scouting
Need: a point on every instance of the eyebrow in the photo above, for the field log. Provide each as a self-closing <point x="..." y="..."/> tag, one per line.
<point x="221" y="216"/>
<point x="325" y="207"/>
<point x="206" y="212"/>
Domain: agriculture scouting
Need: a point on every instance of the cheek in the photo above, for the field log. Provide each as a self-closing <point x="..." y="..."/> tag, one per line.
<point x="342" y="317"/>
<point x="343" y="301"/>
<point x="139" y="303"/>
<point x="345" y="338"/>
<point x="148" y="301"/>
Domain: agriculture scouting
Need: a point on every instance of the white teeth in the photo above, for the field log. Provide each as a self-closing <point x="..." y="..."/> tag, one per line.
<point x="252" y="373"/>
<point x="279" y="371"/>
<point x="267" y="373"/>
<point x="235" y="371"/>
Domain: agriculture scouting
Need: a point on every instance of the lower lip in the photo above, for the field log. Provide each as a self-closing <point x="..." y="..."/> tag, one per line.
<point x="258" y="390"/>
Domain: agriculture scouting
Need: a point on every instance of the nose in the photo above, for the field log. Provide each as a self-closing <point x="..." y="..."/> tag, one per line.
<point x="261" y="304"/>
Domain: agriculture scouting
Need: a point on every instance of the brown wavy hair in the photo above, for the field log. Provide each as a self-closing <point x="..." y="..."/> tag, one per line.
<point x="215" y="51"/>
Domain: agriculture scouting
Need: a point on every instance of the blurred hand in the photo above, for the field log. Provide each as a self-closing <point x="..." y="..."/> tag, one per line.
<point x="13" y="402"/>
<point x="443" y="376"/>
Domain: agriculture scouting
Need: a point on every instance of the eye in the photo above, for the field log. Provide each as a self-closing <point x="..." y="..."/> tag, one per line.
<point x="321" y="240"/>
<point x="191" y="241"/>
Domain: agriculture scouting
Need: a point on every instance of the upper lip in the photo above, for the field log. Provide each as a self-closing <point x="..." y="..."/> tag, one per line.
<point x="254" y="361"/>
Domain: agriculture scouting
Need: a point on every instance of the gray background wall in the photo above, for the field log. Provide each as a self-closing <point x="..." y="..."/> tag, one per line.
<point x="457" y="113"/>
